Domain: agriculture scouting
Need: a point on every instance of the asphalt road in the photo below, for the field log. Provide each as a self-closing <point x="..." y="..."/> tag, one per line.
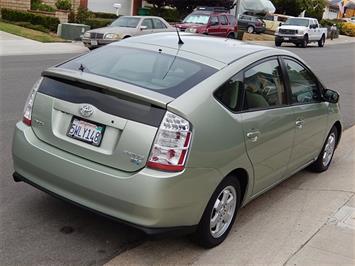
<point x="37" y="229"/>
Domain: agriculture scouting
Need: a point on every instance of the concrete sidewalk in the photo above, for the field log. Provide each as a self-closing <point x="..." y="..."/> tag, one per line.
<point x="307" y="220"/>
<point x="15" y="45"/>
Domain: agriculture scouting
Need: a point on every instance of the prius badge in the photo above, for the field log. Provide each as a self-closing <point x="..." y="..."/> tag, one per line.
<point x="86" y="110"/>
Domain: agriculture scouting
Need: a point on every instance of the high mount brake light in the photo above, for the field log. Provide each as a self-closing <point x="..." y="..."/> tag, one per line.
<point x="171" y="144"/>
<point x="27" y="112"/>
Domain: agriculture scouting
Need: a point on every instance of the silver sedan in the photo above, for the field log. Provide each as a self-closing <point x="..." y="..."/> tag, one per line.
<point x="125" y="27"/>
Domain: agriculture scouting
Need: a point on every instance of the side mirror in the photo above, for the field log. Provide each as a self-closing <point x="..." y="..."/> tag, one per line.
<point x="280" y="24"/>
<point x="331" y="96"/>
<point x="143" y="27"/>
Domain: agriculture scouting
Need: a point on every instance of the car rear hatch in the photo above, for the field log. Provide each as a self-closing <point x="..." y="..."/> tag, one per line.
<point x="124" y="117"/>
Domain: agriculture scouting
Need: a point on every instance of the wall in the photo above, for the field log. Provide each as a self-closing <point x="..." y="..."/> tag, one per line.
<point x="107" y="6"/>
<point x="16" y="4"/>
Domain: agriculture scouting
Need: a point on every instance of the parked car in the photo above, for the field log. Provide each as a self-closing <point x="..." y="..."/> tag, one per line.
<point x="169" y="137"/>
<point x="251" y="24"/>
<point x="300" y="31"/>
<point x="210" y="21"/>
<point x="125" y="27"/>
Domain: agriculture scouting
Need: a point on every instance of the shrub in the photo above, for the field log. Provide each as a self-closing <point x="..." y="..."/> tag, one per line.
<point x="82" y="15"/>
<point x="348" y="29"/>
<point x="104" y="15"/>
<point x="38" y="5"/>
<point x="95" y="23"/>
<point x="31" y="26"/>
<point x="50" y="23"/>
<point x="63" y="4"/>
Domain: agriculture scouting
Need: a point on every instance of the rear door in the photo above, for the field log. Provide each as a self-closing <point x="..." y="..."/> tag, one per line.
<point x="268" y="123"/>
<point x="310" y="119"/>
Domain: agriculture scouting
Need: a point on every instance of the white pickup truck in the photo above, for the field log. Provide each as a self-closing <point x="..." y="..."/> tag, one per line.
<point x="300" y="31"/>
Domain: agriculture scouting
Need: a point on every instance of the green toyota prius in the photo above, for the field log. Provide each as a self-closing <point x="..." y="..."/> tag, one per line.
<point x="168" y="135"/>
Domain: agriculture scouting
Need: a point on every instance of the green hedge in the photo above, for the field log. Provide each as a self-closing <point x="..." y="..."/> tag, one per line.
<point x="170" y="15"/>
<point x="104" y="15"/>
<point x="95" y="23"/>
<point x="50" y="23"/>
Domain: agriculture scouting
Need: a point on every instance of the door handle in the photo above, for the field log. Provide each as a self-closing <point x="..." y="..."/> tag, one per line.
<point x="299" y="123"/>
<point x="253" y="136"/>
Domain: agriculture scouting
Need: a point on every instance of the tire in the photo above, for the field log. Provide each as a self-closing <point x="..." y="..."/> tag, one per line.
<point x="231" y="35"/>
<point x="305" y="41"/>
<point x="208" y="236"/>
<point x="278" y="43"/>
<point x="325" y="157"/>
<point x="321" y="42"/>
<point x="250" y="29"/>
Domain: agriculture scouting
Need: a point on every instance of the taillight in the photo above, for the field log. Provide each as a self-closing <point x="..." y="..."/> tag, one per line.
<point x="27" y="112"/>
<point x="171" y="144"/>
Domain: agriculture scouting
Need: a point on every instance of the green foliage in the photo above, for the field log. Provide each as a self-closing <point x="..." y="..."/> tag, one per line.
<point x="50" y="23"/>
<point x="104" y="15"/>
<point x="170" y="15"/>
<point x="31" y="26"/>
<point x="95" y="23"/>
<point x="63" y="4"/>
<point x="314" y="8"/>
<point x="288" y="7"/>
<point x="38" y="5"/>
<point x="83" y="14"/>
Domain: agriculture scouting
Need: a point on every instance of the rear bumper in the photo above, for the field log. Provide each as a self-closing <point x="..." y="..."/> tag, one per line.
<point x="150" y="200"/>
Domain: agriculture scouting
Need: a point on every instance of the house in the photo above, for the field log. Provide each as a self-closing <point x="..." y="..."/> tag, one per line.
<point x="331" y="10"/>
<point x="26" y="4"/>
<point x="342" y="8"/>
<point x="128" y="7"/>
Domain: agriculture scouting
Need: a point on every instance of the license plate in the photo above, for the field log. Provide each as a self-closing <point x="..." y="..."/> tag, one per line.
<point x="286" y="39"/>
<point x="93" y="42"/>
<point x="86" y="131"/>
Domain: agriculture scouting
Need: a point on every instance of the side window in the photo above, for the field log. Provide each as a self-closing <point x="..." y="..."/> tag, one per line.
<point x="223" y="20"/>
<point x="214" y="21"/>
<point x="158" y="24"/>
<point x="148" y="23"/>
<point x="304" y="87"/>
<point x="229" y="93"/>
<point x="264" y="87"/>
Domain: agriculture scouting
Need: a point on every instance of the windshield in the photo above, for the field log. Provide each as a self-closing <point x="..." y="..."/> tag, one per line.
<point x="167" y="74"/>
<point x="297" y="22"/>
<point x="127" y="22"/>
<point x="197" y="19"/>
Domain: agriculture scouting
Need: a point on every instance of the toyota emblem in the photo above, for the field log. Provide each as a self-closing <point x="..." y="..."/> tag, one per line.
<point x="86" y="110"/>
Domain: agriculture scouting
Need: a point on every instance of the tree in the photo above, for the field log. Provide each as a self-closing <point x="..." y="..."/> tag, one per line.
<point x="314" y="8"/>
<point x="187" y="6"/>
<point x="289" y="7"/>
<point x="158" y="4"/>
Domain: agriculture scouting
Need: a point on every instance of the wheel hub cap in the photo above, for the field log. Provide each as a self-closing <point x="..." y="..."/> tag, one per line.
<point x="329" y="150"/>
<point x="223" y="211"/>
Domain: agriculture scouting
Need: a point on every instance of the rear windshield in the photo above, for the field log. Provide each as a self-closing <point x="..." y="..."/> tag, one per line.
<point x="156" y="71"/>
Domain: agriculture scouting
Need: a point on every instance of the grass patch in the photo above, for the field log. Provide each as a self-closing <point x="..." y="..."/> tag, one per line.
<point x="257" y="37"/>
<point x="29" y="33"/>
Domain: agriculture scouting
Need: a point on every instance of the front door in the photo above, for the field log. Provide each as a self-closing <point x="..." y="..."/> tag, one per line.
<point x="310" y="119"/>
<point x="213" y="26"/>
<point x="268" y="124"/>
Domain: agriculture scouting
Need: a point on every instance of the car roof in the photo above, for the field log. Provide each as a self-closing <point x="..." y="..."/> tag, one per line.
<point x="209" y="13"/>
<point x="143" y="17"/>
<point x="219" y="49"/>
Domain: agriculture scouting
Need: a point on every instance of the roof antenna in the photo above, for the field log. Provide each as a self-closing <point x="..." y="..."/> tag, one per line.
<point x="180" y="40"/>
